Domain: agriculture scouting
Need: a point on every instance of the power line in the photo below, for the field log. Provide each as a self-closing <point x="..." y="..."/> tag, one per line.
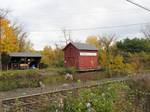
<point x="92" y="13"/>
<point x="108" y="27"/>
<point x="97" y="28"/>
<point x="138" y="5"/>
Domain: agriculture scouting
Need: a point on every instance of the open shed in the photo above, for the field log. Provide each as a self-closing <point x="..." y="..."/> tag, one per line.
<point x="81" y="56"/>
<point x="20" y="60"/>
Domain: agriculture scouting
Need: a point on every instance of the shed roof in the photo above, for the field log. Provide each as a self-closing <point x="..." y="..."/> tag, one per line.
<point x="24" y="54"/>
<point x="83" y="46"/>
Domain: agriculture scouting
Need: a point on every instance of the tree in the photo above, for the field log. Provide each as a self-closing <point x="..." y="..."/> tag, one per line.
<point x="106" y="42"/>
<point x="134" y="45"/>
<point x="146" y="31"/>
<point x="12" y="37"/>
<point x="93" y="40"/>
<point x="119" y="67"/>
<point x="52" y="57"/>
<point x="8" y="37"/>
<point x="23" y="43"/>
<point x="48" y="56"/>
<point x="58" y="56"/>
<point x="3" y="14"/>
<point x="67" y="36"/>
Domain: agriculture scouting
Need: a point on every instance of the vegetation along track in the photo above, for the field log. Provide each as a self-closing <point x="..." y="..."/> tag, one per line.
<point x="31" y="103"/>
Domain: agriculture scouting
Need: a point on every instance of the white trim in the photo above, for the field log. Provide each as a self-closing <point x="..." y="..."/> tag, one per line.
<point x="88" y="54"/>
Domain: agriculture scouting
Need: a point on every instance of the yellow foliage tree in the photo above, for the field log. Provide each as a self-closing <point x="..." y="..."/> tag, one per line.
<point x="8" y="38"/>
<point x="93" y="40"/>
<point x="119" y="67"/>
<point x="52" y="57"/>
<point x="48" y="55"/>
<point x="103" y="58"/>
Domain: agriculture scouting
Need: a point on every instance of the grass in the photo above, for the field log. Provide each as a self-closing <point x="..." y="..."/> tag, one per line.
<point x="14" y="79"/>
<point x="104" y="98"/>
<point x="57" y="71"/>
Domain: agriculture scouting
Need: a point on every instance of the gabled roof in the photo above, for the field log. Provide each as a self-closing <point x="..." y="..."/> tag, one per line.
<point x="24" y="54"/>
<point x="83" y="46"/>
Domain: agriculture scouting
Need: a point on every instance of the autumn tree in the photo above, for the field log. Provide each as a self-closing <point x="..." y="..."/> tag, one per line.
<point x="59" y="56"/>
<point x="12" y="37"/>
<point x="8" y="37"/>
<point x="48" y="56"/>
<point x="106" y="42"/>
<point x="119" y="67"/>
<point x="52" y="57"/>
<point x="93" y="40"/>
<point x="3" y="14"/>
<point x="23" y="43"/>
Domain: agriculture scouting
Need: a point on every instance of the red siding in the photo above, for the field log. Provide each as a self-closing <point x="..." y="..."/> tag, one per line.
<point x="72" y="58"/>
<point x="88" y="62"/>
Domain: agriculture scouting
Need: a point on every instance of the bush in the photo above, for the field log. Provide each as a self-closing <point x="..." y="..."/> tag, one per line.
<point x="142" y="60"/>
<point x="54" y="80"/>
<point x="14" y="79"/>
<point x="70" y="70"/>
<point x="100" y="99"/>
<point x="119" y="67"/>
<point x="19" y="79"/>
<point x="141" y="82"/>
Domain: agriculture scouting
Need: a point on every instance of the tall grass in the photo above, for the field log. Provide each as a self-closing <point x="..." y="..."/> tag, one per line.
<point x="19" y="79"/>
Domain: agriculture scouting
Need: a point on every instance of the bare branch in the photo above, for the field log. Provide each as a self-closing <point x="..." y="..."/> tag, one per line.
<point x="107" y="40"/>
<point x="146" y="31"/>
<point x="4" y="12"/>
<point x="67" y="36"/>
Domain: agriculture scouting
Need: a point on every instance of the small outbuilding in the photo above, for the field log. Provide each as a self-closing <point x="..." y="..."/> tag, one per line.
<point x="20" y="60"/>
<point x="81" y="56"/>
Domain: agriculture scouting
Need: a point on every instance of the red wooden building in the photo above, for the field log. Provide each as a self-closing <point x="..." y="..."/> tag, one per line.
<point x="81" y="56"/>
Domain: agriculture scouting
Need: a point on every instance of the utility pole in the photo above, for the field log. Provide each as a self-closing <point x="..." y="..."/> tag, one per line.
<point x="139" y="5"/>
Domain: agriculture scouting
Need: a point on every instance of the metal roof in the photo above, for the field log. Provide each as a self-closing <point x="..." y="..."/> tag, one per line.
<point x="83" y="46"/>
<point x="24" y="54"/>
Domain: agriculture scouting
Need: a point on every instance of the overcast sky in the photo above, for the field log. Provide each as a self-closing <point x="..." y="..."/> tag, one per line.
<point x="44" y="19"/>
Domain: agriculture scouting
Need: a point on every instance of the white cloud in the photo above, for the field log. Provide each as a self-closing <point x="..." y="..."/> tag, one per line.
<point x="41" y="17"/>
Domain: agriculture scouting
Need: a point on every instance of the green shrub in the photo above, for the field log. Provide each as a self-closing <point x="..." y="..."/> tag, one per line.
<point x="70" y="70"/>
<point x="19" y="79"/>
<point x="99" y="99"/>
<point x="14" y="79"/>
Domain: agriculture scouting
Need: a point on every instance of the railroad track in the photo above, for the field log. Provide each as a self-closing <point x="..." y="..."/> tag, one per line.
<point x="31" y="103"/>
